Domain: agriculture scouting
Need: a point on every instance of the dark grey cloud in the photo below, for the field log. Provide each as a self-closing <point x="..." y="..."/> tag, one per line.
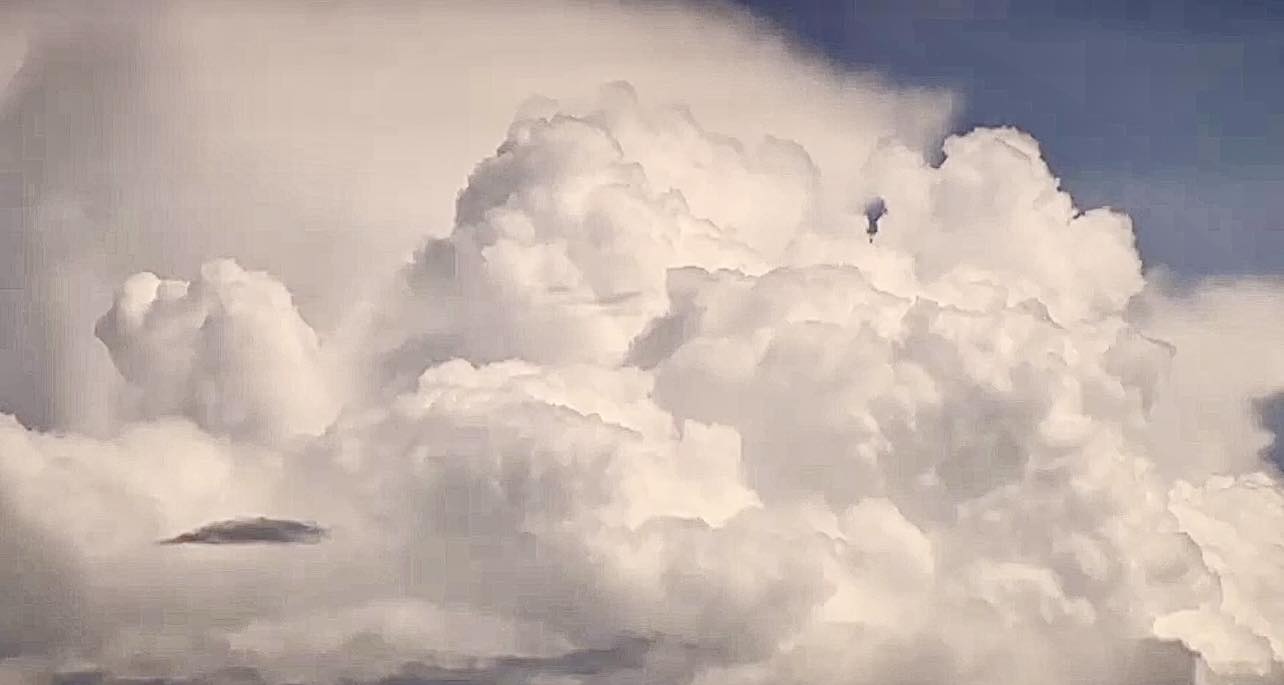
<point x="233" y="675"/>
<point x="631" y="653"/>
<point x="1147" y="662"/>
<point x="634" y="658"/>
<point x="1270" y="414"/>
<point x="252" y="530"/>
<point x="628" y="654"/>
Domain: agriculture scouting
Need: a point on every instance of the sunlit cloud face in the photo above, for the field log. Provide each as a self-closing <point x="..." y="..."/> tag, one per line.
<point x="572" y="336"/>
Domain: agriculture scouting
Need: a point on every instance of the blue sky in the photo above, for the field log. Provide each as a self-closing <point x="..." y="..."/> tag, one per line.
<point x="1172" y="110"/>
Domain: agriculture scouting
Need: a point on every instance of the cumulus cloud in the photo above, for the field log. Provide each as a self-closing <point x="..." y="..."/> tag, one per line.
<point x="650" y="406"/>
<point x="229" y="351"/>
<point x="251" y="530"/>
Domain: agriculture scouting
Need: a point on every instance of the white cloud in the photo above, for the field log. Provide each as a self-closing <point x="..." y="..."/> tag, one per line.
<point x="228" y="350"/>
<point x="651" y="382"/>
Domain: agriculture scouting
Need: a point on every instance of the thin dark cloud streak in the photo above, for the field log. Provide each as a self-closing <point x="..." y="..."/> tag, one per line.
<point x="628" y="654"/>
<point x="247" y="531"/>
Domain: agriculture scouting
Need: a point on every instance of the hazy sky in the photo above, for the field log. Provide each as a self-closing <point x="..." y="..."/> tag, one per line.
<point x="1171" y="110"/>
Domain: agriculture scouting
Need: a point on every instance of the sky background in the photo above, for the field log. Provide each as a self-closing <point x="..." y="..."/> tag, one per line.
<point x="1172" y="110"/>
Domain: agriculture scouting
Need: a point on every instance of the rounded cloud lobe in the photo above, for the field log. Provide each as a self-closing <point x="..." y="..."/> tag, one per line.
<point x="657" y="409"/>
<point x="229" y="350"/>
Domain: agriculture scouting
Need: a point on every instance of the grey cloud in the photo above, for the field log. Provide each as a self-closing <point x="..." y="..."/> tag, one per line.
<point x="631" y="653"/>
<point x="1270" y="414"/>
<point x="233" y="675"/>
<point x="249" y="531"/>
<point x="626" y="655"/>
<point x="40" y="598"/>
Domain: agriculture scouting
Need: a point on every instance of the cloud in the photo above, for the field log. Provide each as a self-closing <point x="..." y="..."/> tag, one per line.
<point x="229" y="351"/>
<point x="649" y="406"/>
<point x="249" y="531"/>
<point x="1270" y="409"/>
<point x="45" y="612"/>
<point x="629" y="655"/>
<point x="329" y="181"/>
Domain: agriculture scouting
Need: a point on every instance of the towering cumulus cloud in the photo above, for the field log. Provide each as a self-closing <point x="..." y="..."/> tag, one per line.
<point x="652" y="407"/>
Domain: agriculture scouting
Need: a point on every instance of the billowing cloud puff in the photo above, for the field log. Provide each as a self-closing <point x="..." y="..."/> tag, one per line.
<point x="992" y="212"/>
<point x="656" y="409"/>
<point x="229" y="351"/>
<point x="564" y="236"/>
